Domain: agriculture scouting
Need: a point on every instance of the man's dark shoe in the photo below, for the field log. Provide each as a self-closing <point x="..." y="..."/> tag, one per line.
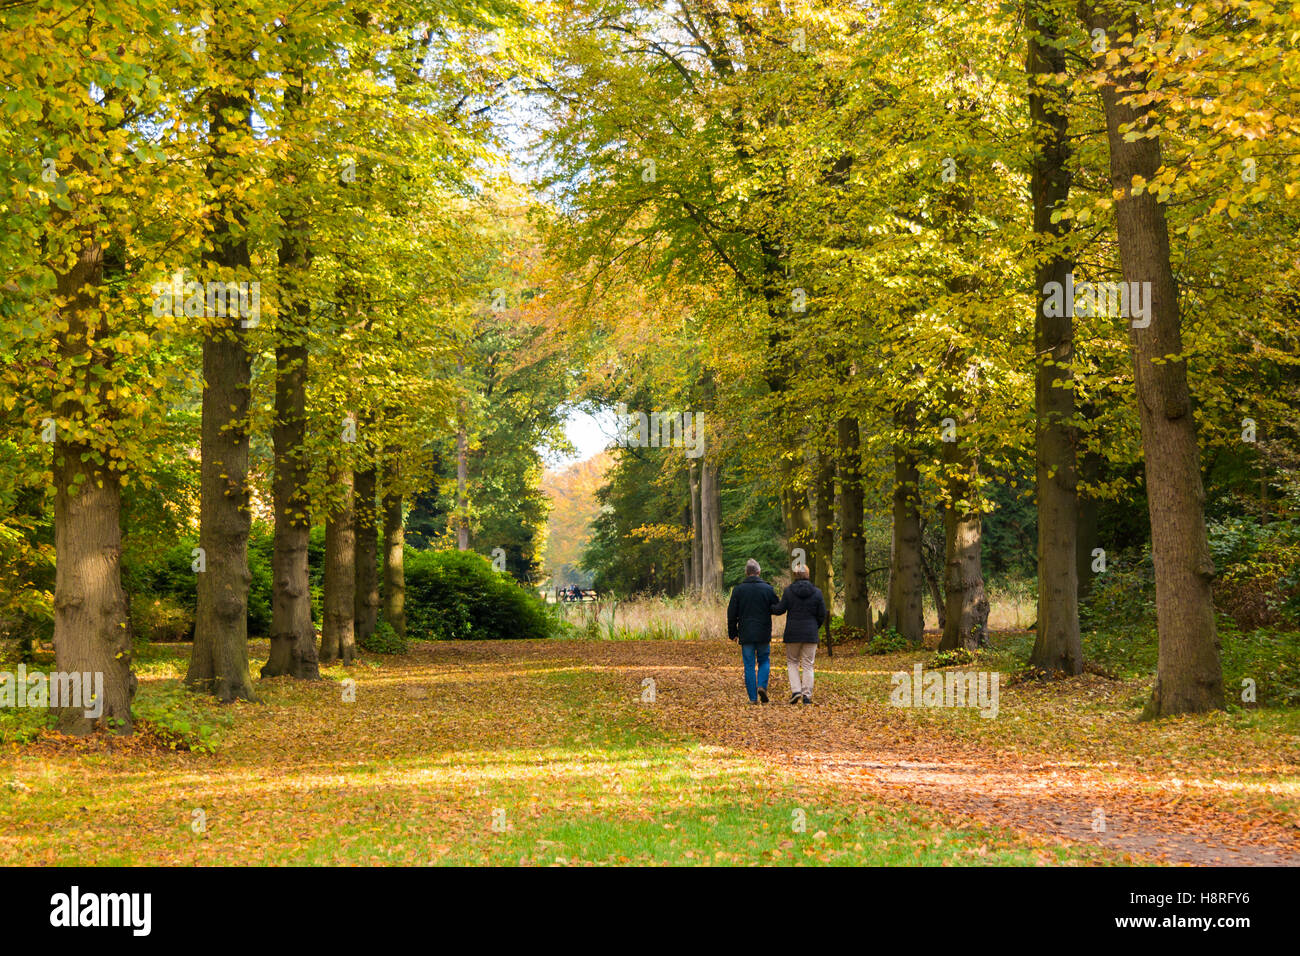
<point x="794" y="698"/>
<point x="753" y="702"/>
<point x="807" y="698"/>
<point x="762" y="694"/>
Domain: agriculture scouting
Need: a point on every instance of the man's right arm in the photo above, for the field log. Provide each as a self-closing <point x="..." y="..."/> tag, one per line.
<point x="732" y="629"/>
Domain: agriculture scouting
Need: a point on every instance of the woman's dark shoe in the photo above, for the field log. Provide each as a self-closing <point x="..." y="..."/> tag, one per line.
<point x="794" y="698"/>
<point x="762" y="694"/>
<point x="807" y="698"/>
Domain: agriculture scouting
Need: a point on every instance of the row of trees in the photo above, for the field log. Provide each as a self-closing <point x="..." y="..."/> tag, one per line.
<point x="882" y="247"/>
<point x="252" y="252"/>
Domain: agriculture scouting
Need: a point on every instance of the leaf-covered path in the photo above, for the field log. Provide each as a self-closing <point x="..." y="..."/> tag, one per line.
<point x="1062" y="761"/>
<point x="544" y="753"/>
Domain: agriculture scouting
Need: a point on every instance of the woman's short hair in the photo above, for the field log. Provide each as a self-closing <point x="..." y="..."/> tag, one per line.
<point x="801" y="572"/>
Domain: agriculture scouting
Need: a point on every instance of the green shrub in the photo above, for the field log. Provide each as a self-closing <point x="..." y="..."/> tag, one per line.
<point x="385" y="640"/>
<point x="170" y="577"/>
<point x="956" y="657"/>
<point x="161" y="619"/>
<point x="455" y="595"/>
<point x="888" y="641"/>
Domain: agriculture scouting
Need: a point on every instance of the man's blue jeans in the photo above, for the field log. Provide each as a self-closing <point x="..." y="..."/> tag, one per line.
<point x="751" y="655"/>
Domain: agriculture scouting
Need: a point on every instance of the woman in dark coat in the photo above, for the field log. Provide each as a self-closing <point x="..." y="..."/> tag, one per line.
<point x="805" y="613"/>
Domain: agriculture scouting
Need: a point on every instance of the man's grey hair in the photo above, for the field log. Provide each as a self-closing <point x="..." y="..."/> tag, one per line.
<point x="751" y="567"/>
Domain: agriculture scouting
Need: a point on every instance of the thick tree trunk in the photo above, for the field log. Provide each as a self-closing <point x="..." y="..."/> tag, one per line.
<point x="366" y="610"/>
<point x="823" y="570"/>
<point x="967" y="606"/>
<point x="219" y="660"/>
<point x="91" y="628"/>
<point x="1058" y="647"/>
<point x="906" y="611"/>
<point x="338" y="639"/>
<point x="1189" y="675"/>
<point x="711" y="525"/>
<point x="796" y="516"/>
<point x="857" y="600"/>
<point x="293" y="636"/>
<point x="394" y="556"/>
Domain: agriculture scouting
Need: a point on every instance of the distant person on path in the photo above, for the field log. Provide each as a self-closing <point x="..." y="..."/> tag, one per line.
<point x="749" y="621"/>
<point x="806" y="613"/>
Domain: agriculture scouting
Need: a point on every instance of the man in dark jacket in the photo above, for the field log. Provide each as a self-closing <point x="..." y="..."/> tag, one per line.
<point x="749" y="621"/>
<point x="807" y="612"/>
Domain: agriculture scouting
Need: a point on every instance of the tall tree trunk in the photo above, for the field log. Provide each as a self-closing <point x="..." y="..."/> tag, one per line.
<point x="1189" y="675"/>
<point x="338" y="638"/>
<point x="91" y="628"/>
<point x="711" y="526"/>
<point x="293" y="636"/>
<point x="697" y="530"/>
<point x="462" y="474"/>
<point x="853" y="554"/>
<point x="967" y="611"/>
<point x="1088" y="539"/>
<point x="688" y="572"/>
<point x="905" y="611"/>
<point x="1058" y="647"/>
<point x="394" y="552"/>
<point x="366" y="609"/>
<point x="219" y="660"/>
<point x="824" y="567"/>
<point x="795" y="513"/>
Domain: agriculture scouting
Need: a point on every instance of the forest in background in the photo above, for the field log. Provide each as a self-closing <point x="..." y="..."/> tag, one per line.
<point x="281" y="324"/>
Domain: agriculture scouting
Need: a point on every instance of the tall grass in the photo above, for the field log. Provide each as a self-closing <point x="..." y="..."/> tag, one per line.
<point x="696" y="617"/>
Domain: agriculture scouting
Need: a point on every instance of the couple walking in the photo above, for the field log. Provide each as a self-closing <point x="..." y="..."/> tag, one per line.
<point x="749" y="621"/>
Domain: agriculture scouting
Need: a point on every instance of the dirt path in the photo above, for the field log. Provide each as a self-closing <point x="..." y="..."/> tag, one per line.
<point x="1134" y="799"/>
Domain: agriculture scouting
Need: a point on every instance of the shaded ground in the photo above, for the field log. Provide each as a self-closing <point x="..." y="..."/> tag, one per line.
<point x="545" y="753"/>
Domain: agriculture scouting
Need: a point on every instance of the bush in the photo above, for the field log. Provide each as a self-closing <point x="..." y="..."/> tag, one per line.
<point x="888" y="641"/>
<point x="455" y="595"/>
<point x="161" y="619"/>
<point x="956" y="657"/>
<point x="171" y="580"/>
<point x="385" y="640"/>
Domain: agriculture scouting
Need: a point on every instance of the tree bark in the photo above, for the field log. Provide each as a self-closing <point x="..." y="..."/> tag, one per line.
<point x="857" y="600"/>
<point x="293" y="635"/>
<point x="1088" y="538"/>
<point x="394" y="555"/>
<point x="219" y="659"/>
<point x="338" y="639"/>
<point x="905" y="612"/>
<point x="1189" y="675"/>
<point x="1058" y="647"/>
<point x="967" y="606"/>
<point x="824" y="566"/>
<point x="711" y="525"/>
<point x="366" y="609"/>
<point x="697" y="530"/>
<point x="795" y="513"/>
<point x="91" y="627"/>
